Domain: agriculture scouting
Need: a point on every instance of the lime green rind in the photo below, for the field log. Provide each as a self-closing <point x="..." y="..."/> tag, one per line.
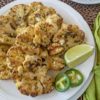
<point x="80" y="60"/>
<point x="78" y="51"/>
<point x="73" y="62"/>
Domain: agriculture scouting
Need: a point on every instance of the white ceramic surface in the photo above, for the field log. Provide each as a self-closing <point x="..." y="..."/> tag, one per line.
<point x="87" y="1"/>
<point x="82" y="89"/>
<point x="8" y="90"/>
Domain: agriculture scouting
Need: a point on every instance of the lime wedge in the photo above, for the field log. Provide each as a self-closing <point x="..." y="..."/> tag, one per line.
<point x="78" y="54"/>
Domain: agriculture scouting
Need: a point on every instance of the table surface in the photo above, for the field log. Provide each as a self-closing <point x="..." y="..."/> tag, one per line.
<point x="89" y="12"/>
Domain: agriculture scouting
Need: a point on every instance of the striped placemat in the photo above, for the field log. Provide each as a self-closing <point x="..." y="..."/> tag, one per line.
<point x="89" y="12"/>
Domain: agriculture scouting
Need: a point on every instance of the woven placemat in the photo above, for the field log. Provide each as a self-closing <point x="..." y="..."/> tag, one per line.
<point x="89" y="12"/>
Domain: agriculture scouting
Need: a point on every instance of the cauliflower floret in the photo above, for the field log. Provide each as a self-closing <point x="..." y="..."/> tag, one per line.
<point x="43" y="33"/>
<point x="57" y="63"/>
<point x="19" y="14"/>
<point x="55" y="19"/>
<point x="25" y="38"/>
<point x="5" y="72"/>
<point x="35" y="17"/>
<point x="39" y="13"/>
<point x="7" y="24"/>
<point x="7" y="40"/>
<point x="55" y="48"/>
<point x="35" y="6"/>
<point x="69" y="36"/>
<point x="74" y="36"/>
<point x="29" y="73"/>
<point x="34" y="87"/>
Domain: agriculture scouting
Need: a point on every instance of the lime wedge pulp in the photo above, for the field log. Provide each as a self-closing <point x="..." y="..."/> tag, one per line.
<point x="78" y="54"/>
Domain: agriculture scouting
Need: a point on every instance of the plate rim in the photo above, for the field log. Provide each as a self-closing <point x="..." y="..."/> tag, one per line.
<point x="86" y="84"/>
<point x="88" y="3"/>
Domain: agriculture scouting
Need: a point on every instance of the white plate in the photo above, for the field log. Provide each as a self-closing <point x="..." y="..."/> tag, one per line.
<point x="87" y="1"/>
<point x="82" y="89"/>
<point x="8" y="89"/>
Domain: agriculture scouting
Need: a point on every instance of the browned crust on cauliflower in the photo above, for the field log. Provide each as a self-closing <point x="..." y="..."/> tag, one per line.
<point x="5" y="72"/>
<point x="33" y="40"/>
<point x="19" y="14"/>
<point x="29" y="68"/>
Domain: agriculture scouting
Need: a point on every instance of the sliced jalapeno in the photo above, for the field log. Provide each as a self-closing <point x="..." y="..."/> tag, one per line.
<point x="62" y="82"/>
<point x="75" y="76"/>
